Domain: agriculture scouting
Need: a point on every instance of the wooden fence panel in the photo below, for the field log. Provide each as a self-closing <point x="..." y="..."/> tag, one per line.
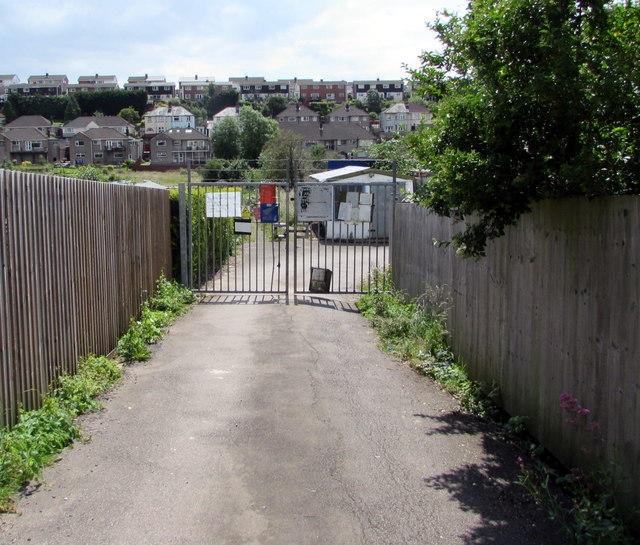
<point x="77" y="259"/>
<point x="552" y="309"/>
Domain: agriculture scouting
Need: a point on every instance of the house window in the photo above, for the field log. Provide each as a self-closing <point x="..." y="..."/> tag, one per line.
<point x="79" y="155"/>
<point x="79" y="143"/>
<point x="331" y="96"/>
<point x="98" y="155"/>
<point x="176" y="142"/>
<point x="161" y="143"/>
<point x="161" y="155"/>
<point x="291" y="118"/>
<point x="385" y="86"/>
<point x="305" y="118"/>
<point x="96" y="143"/>
<point x="118" y="155"/>
<point x="176" y="119"/>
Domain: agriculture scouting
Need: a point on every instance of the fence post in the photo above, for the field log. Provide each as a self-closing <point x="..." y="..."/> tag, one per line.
<point x="182" y="205"/>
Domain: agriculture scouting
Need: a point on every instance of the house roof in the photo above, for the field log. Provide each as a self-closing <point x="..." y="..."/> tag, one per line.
<point x="246" y="80"/>
<point x="101" y="121"/>
<point x="97" y="79"/>
<point x="61" y="78"/>
<point x="328" y="132"/>
<point x="25" y="134"/>
<point x="298" y="110"/>
<point x="102" y="133"/>
<point x="229" y="111"/>
<point x="29" y="121"/>
<point x="168" y="111"/>
<point x="181" y="134"/>
<point x="409" y="107"/>
<point x="342" y="110"/>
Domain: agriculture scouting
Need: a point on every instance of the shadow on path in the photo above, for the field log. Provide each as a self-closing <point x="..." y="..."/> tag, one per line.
<point x="276" y="299"/>
<point x="489" y="488"/>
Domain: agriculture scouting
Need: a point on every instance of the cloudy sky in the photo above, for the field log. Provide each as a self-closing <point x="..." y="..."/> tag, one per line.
<point x="277" y="39"/>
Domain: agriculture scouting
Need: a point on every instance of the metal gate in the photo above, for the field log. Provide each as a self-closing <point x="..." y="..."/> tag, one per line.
<point x="273" y="238"/>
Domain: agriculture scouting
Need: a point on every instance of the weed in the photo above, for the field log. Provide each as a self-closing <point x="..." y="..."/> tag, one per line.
<point x="40" y="434"/>
<point x="133" y="346"/>
<point x="170" y="300"/>
<point x="415" y="330"/>
<point x="583" y="503"/>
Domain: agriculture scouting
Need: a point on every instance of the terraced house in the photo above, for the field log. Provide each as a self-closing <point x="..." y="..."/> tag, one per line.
<point x="104" y="146"/>
<point x="177" y="147"/>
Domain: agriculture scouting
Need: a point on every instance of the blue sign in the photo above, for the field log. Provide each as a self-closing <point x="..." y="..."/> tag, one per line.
<point x="269" y="213"/>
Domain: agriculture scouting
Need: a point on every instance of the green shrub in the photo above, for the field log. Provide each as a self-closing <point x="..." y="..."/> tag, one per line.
<point x="132" y="346"/>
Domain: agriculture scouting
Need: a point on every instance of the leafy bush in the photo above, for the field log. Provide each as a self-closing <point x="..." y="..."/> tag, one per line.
<point x="132" y="346"/>
<point x="171" y="299"/>
<point x="40" y="434"/>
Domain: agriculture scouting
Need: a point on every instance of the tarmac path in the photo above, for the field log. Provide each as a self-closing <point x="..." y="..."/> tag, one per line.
<point x="258" y="422"/>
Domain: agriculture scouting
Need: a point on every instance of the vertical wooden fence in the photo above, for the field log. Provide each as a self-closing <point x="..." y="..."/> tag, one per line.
<point x="77" y="259"/>
<point x="554" y="308"/>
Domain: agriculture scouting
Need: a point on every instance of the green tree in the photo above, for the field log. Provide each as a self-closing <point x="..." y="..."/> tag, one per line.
<point x="284" y="157"/>
<point x="537" y="99"/>
<point x="72" y="110"/>
<point x="130" y="114"/>
<point x="215" y="101"/>
<point x="225" y="138"/>
<point x="111" y="102"/>
<point x="323" y="109"/>
<point x="395" y="154"/>
<point x="375" y="102"/>
<point x="11" y="107"/>
<point x="273" y="105"/>
<point x="230" y="170"/>
<point x="255" y="131"/>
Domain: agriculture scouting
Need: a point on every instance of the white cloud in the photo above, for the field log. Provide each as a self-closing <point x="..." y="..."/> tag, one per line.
<point x="334" y="39"/>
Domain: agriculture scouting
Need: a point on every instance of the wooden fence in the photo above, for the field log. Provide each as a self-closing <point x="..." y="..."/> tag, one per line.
<point x="553" y="309"/>
<point x="77" y="259"/>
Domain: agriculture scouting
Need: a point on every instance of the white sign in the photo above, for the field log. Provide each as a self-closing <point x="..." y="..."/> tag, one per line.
<point x="224" y="204"/>
<point x="314" y="202"/>
<point x="357" y="208"/>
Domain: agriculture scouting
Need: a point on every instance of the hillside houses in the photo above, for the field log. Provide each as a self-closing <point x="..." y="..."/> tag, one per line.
<point x="346" y="129"/>
<point x="251" y="88"/>
<point x="340" y="132"/>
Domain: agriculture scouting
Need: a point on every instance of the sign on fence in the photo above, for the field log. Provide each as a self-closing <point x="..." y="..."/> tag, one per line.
<point x="224" y="204"/>
<point x="314" y="202"/>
